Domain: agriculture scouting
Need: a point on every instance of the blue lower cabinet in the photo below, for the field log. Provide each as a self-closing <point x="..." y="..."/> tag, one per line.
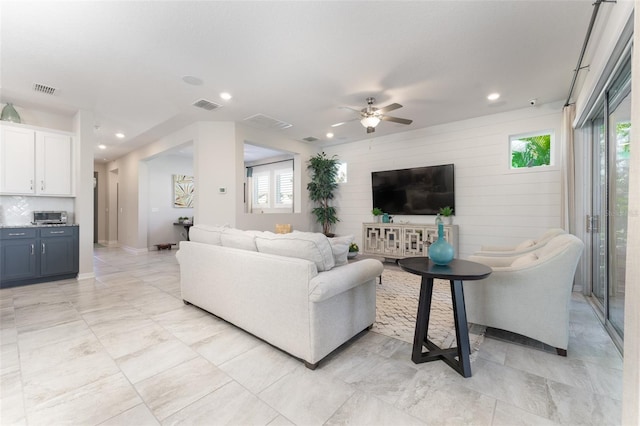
<point x="33" y="255"/>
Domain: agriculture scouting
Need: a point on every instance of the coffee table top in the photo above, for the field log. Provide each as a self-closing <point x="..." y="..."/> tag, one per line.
<point x="457" y="269"/>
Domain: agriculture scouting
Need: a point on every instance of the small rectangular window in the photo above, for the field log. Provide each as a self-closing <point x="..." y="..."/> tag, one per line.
<point x="271" y="187"/>
<point x="531" y="150"/>
<point x="342" y="173"/>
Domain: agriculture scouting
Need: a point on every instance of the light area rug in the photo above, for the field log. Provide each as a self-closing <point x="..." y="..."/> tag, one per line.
<point x="397" y="307"/>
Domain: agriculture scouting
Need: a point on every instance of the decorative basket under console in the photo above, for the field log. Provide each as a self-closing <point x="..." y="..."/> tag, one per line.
<point x="396" y="241"/>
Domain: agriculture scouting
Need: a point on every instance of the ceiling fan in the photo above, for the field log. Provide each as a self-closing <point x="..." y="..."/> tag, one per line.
<point x="370" y="116"/>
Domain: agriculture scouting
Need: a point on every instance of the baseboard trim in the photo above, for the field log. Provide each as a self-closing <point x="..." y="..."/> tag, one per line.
<point x="86" y="276"/>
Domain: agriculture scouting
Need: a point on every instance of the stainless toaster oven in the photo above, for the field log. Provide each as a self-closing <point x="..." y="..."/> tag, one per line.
<point x="49" y="217"/>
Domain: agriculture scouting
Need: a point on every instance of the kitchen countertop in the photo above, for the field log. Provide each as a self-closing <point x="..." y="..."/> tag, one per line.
<point x="30" y="225"/>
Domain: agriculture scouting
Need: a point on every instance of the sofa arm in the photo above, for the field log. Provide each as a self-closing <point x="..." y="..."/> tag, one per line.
<point x="342" y="278"/>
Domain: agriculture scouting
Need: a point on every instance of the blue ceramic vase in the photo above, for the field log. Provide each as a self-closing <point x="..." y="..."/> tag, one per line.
<point x="441" y="252"/>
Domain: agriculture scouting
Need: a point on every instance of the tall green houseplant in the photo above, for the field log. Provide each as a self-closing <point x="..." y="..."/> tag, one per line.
<point x="324" y="173"/>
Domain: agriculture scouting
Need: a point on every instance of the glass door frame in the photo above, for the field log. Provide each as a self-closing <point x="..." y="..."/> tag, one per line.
<point x="601" y="200"/>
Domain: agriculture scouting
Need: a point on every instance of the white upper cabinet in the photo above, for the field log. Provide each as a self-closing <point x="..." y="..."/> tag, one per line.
<point x="35" y="162"/>
<point x="53" y="164"/>
<point x="17" y="165"/>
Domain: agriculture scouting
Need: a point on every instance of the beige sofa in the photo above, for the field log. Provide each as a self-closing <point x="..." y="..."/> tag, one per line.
<point x="285" y="289"/>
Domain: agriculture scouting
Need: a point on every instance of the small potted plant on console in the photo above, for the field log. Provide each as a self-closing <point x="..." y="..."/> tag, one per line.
<point x="353" y="250"/>
<point x="376" y="212"/>
<point x="447" y="212"/>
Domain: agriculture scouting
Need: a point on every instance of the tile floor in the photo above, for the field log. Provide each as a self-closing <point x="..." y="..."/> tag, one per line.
<point x="122" y="349"/>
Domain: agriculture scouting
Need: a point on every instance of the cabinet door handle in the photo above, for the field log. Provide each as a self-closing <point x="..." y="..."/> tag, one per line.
<point x="31" y="185"/>
<point x="41" y="185"/>
<point x="15" y="234"/>
<point x="33" y="249"/>
<point x="56" y="232"/>
<point x="43" y="251"/>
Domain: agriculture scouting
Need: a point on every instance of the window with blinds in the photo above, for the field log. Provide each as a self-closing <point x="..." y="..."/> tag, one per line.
<point x="271" y="187"/>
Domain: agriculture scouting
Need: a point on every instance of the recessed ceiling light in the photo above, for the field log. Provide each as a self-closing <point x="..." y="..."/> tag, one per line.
<point x="120" y="135"/>
<point x="225" y="95"/>
<point x="192" y="80"/>
<point x="102" y="146"/>
<point x="329" y="135"/>
<point x="493" y="96"/>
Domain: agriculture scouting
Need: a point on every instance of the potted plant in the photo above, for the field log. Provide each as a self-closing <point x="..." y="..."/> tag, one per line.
<point x="376" y="212"/>
<point x="353" y="250"/>
<point x="447" y="212"/>
<point x="324" y="173"/>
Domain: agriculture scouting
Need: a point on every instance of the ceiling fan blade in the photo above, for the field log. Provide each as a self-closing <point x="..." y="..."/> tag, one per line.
<point x="388" y="108"/>
<point x="352" y="109"/>
<point x="396" y="119"/>
<point x="344" y="122"/>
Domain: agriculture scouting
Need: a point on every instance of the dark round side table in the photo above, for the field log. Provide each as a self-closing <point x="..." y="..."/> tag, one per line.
<point x="456" y="272"/>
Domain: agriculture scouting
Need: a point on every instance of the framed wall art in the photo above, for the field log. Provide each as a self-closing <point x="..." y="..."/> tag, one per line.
<point x="183" y="191"/>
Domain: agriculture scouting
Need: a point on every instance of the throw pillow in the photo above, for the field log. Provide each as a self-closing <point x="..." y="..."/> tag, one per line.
<point x="206" y="234"/>
<point x="302" y="245"/>
<point x="340" y="249"/>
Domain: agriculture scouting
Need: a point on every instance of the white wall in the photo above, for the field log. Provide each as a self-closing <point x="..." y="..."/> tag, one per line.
<point x="494" y="205"/>
<point x="301" y="219"/>
<point x="162" y="214"/>
<point x="44" y="119"/>
<point x="612" y="18"/>
<point x="215" y="166"/>
<point x="128" y="187"/>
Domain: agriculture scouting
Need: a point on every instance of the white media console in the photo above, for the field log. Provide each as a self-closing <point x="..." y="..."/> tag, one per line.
<point x="398" y="240"/>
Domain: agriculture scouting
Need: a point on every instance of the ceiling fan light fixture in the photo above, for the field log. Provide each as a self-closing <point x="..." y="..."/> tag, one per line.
<point x="370" y="121"/>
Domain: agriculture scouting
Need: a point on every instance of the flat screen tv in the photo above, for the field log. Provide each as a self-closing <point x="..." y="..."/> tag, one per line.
<point x="418" y="191"/>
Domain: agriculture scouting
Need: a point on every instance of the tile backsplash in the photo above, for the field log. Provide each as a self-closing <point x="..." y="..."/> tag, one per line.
<point x="18" y="210"/>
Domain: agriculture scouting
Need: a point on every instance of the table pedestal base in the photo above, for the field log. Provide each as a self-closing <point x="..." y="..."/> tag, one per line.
<point x="458" y="357"/>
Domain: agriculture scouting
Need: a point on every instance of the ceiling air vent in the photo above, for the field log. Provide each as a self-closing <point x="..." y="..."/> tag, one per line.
<point x="266" y="122"/>
<point x="310" y="139"/>
<point x="41" y="88"/>
<point x="205" y="104"/>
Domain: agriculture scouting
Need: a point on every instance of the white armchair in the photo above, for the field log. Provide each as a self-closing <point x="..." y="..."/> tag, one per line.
<point x="525" y="246"/>
<point x="528" y="294"/>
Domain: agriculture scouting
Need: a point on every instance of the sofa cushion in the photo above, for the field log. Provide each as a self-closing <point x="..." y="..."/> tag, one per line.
<point x="236" y="238"/>
<point x="524" y="260"/>
<point x="525" y="244"/>
<point x="206" y="234"/>
<point x="311" y="246"/>
<point x="340" y="249"/>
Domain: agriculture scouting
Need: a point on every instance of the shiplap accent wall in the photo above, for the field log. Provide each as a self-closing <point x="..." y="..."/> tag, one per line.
<point x="494" y="205"/>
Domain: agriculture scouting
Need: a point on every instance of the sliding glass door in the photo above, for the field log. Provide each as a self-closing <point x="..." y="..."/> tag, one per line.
<point x="611" y="130"/>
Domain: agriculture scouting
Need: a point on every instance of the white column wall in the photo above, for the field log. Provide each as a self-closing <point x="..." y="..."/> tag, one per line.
<point x="83" y="124"/>
<point x="215" y="166"/>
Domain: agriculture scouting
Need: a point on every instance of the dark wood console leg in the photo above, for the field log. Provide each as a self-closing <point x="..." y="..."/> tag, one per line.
<point x="311" y="366"/>
<point x="561" y="352"/>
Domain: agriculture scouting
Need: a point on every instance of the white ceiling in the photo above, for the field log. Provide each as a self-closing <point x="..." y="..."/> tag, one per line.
<point x="293" y="61"/>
